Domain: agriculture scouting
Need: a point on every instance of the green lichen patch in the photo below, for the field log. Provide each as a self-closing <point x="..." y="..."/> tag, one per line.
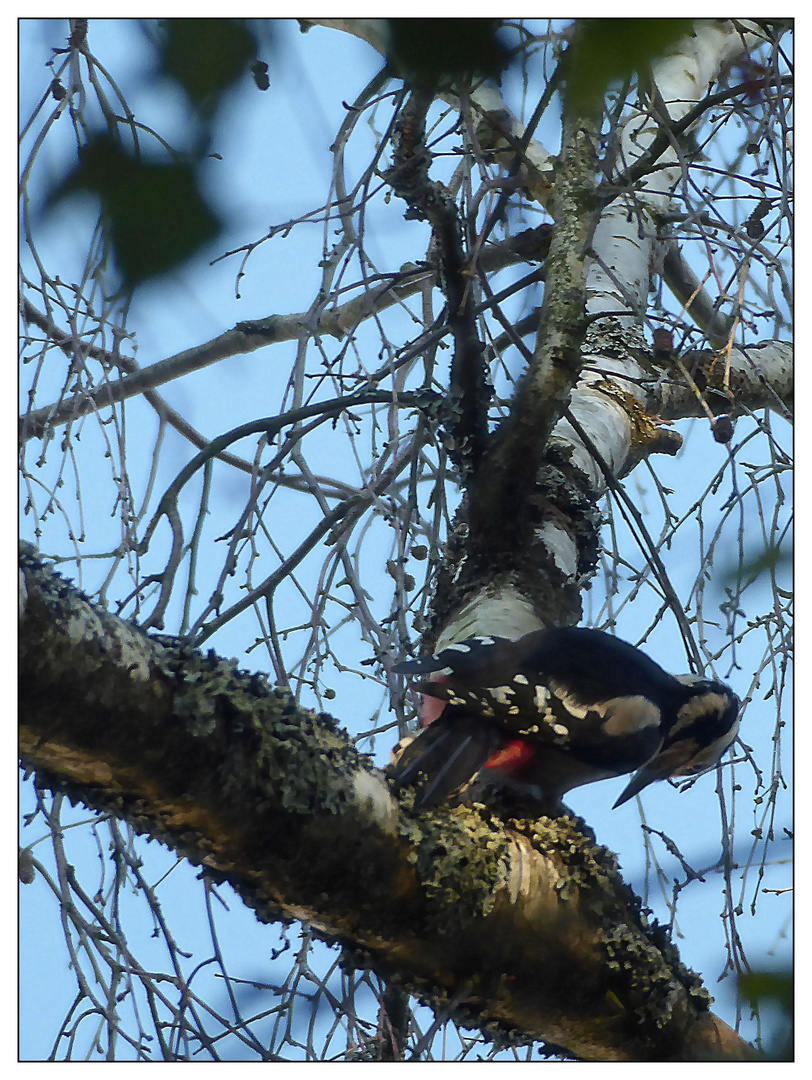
<point x="588" y="871"/>
<point x="290" y="757"/>
<point x="460" y="855"/>
<point x="645" y="972"/>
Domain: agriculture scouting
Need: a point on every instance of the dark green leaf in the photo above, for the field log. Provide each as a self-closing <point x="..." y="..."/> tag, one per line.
<point x="763" y="987"/>
<point x="206" y="56"/>
<point x="607" y="50"/>
<point x="432" y="52"/>
<point x="154" y="215"/>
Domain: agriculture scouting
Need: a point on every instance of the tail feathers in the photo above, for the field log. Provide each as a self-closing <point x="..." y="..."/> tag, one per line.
<point x="445" y="757"/>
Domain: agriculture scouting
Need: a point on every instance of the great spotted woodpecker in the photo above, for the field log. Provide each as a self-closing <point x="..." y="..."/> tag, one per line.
<point x="556" y="709"/>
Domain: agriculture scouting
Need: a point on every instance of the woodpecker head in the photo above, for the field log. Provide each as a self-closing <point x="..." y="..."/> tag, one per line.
<point x="705" y="725"/>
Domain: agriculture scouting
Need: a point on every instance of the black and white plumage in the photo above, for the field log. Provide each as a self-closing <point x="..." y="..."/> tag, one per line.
<point x="557" y="709"/>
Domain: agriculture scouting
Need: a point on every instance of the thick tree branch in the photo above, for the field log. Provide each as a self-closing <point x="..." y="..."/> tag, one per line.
<point x="470" y="389"/>
<point x="509" y="474"/>
<point x="523" y="925"/>
<point x="734" y="381"/>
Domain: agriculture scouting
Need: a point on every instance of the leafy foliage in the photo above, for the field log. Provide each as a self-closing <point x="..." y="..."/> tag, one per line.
<point x="154" y="214"/>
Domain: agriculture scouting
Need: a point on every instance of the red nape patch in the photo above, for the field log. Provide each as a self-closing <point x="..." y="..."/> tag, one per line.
<point x="512" y="758"/>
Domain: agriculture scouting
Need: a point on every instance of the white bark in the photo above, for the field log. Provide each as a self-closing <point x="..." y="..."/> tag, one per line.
<point x="362" y="871"/>
<point x="760" y="376"/>
<point x="627" y="253"/>
<point x="503" y="612"/>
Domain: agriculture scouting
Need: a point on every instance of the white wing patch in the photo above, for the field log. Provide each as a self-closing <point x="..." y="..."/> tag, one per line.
<point x="502" y="694"/>
<point x="541" y="696"/>
<point x="572" y="705"/>
<point x="625" y="715"/>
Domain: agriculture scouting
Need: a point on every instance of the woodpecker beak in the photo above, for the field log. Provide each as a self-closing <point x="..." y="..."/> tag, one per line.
<point x="668" y="762"/>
